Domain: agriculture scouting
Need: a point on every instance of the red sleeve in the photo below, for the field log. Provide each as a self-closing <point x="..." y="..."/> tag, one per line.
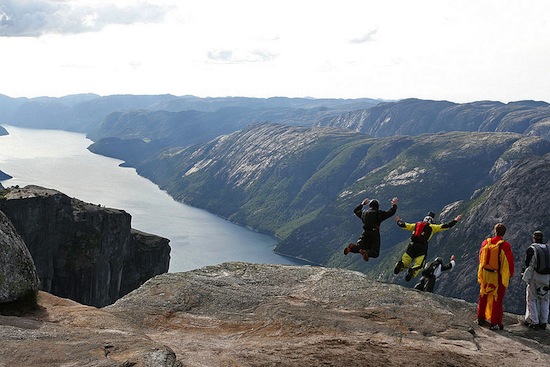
<point x="507" y="248"/>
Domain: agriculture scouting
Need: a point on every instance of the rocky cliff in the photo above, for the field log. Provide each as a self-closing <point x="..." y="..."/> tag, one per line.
<point x="241" y="314"/>
<point x="83" y="251"/>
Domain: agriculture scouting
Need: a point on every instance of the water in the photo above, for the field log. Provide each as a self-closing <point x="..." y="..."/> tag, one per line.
<point x="60" y="160"/>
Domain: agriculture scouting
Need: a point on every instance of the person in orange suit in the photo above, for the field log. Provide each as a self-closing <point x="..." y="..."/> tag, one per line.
<point x="493" y="276"/>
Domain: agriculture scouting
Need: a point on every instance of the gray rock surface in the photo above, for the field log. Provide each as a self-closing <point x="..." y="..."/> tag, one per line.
<point x="18" y="277"/>
<point x="61" y="332"/>
<point x="83" y="251"/>
<point x="240" y="314"/>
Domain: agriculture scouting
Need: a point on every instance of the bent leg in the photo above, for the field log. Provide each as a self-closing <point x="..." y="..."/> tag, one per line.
<point x="402" y="264"/>
<point x="431" y="284"/>
<point x="418" y="265"/>
<point x="372" y="246"/>
<point x="406" y="259"/>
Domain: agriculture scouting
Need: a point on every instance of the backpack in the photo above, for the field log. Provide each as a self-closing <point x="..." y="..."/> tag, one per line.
<point x="422" y="232"/>
<point x="490" y="256"/>
<point x="429" y="269"/>
<point x="542" y="263"/>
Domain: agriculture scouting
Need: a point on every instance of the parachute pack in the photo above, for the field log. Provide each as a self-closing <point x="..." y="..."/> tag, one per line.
<point x="422" y="232"/>
<point x="542" y="263"/>
<point x="490" y="256"/>
<point x="429" y="269"/>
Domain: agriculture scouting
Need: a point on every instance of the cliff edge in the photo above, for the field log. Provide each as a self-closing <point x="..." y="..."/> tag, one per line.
<point x="242" y="314"/>
<point x="83" y="251"/>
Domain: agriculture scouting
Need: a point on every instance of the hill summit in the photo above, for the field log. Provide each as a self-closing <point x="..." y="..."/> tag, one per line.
<point x="242" y="314"/>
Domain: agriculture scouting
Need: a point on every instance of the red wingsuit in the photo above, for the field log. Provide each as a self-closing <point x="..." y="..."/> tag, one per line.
<point x="493" y="284"/>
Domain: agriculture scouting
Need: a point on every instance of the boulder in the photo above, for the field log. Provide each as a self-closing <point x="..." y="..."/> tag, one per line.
<point x="18" y="277"/>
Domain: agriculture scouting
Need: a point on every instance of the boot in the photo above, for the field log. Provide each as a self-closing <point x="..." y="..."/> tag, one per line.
<point x="365" y="255"/>
<point x="409" y="275"/>
<point x="348" y="249"/>
<point x="398" y="267"/>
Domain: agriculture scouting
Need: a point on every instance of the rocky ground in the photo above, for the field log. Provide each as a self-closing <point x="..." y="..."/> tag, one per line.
<point x="241" y="314"/>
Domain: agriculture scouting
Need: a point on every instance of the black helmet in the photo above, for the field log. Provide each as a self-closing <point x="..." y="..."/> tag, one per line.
<point x="431" y="214"/>
<point x="439" y="260"/>
<point x="537" y="235"/>
<point x="374" y="204"/>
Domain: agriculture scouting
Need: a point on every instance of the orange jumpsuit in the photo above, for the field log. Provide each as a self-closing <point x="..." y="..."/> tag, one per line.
<point x="493" y="285"/>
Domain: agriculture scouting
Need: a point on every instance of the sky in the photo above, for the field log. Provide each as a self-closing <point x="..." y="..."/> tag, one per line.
<point x="456" y="50"/>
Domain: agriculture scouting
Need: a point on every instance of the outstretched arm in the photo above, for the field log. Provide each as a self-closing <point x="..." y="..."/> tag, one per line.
<point x="451" y="223"/>
<point x="359" y="208"/>
<point x="400" y="223"/>
<point x="406" y="226"/>
<point x="391" y="211"/>
<point x="450" y="265"/>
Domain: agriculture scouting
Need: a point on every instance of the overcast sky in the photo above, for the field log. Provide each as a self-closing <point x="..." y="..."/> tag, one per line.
<point x="456" y="50"/>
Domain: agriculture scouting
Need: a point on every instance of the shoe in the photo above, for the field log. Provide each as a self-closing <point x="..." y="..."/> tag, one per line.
<point x="365" y="255"/>
<point x="398" y="267"/>
<point x="496" y="327"/>
<point x="534" y="327"/>
<point x="409" y="275"/>
<point x="348" y="249"/>
<point x="480" y="322"/>
<point x="542" y="326"/>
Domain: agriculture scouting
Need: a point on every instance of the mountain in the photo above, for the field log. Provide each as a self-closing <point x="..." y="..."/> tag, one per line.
<point x="80" y="113"/>
<point x="86" y="112"/>
<point x="302" y="184"/>
<point x="415" y="117"/>
<point x="241" y="314"/>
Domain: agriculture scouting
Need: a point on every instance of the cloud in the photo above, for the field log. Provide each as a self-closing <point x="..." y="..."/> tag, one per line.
<point x="235" y="57"/>
<point x="367" y="37"/>
<point x="33" y="18"/>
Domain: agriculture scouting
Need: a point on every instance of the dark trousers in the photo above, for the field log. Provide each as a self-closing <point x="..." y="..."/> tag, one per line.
<point x="370" y="242"/>
<point x="426" y="284"/>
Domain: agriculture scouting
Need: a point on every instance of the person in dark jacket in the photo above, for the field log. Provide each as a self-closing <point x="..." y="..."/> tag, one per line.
<point x="368" y="244"/>
<point x="431" y="272"/>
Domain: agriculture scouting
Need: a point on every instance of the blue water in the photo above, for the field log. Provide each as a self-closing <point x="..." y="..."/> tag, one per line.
<point x="60" y="160"/>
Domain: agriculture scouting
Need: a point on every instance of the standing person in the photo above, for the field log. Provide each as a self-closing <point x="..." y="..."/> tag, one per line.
<point x="431" y="272"/>
<point x="368" y="244"/>
<point x="536" y="273"/>
<point x="417" y="249"/>
<point x="496" y="267"/>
